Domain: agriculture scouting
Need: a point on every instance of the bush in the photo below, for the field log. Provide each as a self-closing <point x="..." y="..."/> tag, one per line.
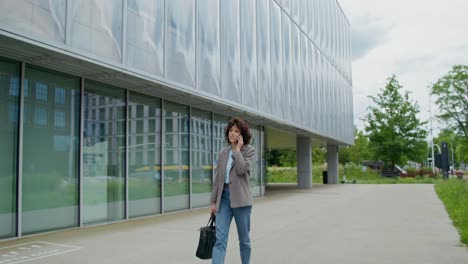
<point x="411" y="172"/>
<point x="426" y="171"/>
<point x="282" y="174"/>
<point x="352" y="172"/>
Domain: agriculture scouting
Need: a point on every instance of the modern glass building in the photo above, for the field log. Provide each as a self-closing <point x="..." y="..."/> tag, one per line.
<point x="115" y="109"/>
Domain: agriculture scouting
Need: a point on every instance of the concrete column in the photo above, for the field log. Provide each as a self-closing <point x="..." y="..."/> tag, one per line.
<point x="304" y="162"/>
<point x="332" y="163"/>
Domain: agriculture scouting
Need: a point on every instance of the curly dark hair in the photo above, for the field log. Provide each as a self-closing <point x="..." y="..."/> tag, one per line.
<point x="243" y="127"/>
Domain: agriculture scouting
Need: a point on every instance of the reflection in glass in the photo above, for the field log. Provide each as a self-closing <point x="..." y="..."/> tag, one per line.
<point x="255" y="176"/>
<point x="144" y="148"/>
<point x="9" y="72"/>
<point x="220" y="122"/>
<point x="201" y="157"/>
<point x="176" y="160"/>
<point x="103" y="153"/>
<point x="50" y="153"/>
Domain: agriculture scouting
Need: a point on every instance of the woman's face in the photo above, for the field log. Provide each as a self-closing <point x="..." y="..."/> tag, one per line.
<point x="234" y="134"/>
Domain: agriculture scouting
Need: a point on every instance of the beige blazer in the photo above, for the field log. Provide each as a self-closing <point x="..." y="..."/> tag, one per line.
<point x="239" y="177"/>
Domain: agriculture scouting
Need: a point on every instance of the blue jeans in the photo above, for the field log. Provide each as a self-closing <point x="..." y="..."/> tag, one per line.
<point x="223" y="222"/>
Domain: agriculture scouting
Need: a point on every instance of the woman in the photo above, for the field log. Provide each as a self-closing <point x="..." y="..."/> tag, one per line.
<point x="231" y="195"/>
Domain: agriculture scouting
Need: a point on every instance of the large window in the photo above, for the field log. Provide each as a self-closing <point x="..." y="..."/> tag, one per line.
<point x="103" y="153"/>
<point x="144" y="152"/>
<point x="176" y="163"/>
<point x="50" y="152"/>
<point x="255" y="171"/>
<point x="220" y="122"/>
<point x="201" y="157"/>
<point x="9" y="99"/>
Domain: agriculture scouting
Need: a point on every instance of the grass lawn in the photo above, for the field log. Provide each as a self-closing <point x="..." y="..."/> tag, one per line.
<point x="289" y="175"/>
<point x="454" y="195"/>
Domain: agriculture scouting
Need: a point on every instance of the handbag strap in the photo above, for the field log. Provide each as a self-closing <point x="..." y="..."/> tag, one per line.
<point x="212" y="220"/>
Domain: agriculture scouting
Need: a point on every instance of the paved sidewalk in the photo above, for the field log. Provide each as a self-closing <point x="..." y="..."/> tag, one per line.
<point x="349" y="223"/>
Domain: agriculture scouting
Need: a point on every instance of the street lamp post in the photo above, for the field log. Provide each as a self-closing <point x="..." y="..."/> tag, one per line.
<point x="432" y="138"/>
<point x="453" y="160"/>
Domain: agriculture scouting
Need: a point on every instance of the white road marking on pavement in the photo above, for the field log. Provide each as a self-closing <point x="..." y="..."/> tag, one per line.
<point x="31" y="251"/>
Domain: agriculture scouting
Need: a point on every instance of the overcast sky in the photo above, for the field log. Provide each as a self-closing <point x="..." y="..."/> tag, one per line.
<point x="417" y="40"/>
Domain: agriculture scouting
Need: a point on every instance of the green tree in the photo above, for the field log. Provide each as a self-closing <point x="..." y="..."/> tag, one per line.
<point x="288" y="157"/>
<point x="281" y="157"/>
<point x="318" y="155"/>
<point x="357" y="152"/>
<point x="395" y="133"/>
<point x="451" y="93"/>
<point x="360" y="150"/>
<point x="344" y="154"/>
<point x="273" y="157"/>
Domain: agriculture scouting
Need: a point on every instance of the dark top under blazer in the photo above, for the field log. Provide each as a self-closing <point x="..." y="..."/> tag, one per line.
<point x="239" y="177"/>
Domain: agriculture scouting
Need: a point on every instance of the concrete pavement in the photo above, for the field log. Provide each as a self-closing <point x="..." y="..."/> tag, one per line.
<point x="326" y="224"/>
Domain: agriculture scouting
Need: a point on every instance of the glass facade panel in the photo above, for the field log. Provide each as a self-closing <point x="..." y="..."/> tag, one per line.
<point x="263" y="56"/>
<point x="287" y="90"/>
<point x="50" y="154"/>
<point x="180" y="42"/>
<point x="248" y="53"/>
<point x="144" y="155"/>
<point x="103" y="153"/>
<point x="230" y="50"/>
<point x="176" y="157"/>
<point x="9" y="105"/>
<point x="286" y="5"/>
<point x="276" y="60"/>
<point x="294" y="4"/>
<point x="208" y="47"/>
<point x="145" y="35"/>
<point x="311" y="19"/>
<point x="319" y="23"/>
<point x="96" y="27"/>
<point x="296" y="73"/>
<point x="311" y="96"/>
<point x="220" y="122"/>
<point x="304" y="103"/>
<point x="303" y="14"/>
<point x="201" y="156"/>
<point x="45" y="19"/>
<point x="255" y="177"/>
<point x="319" y="72"/>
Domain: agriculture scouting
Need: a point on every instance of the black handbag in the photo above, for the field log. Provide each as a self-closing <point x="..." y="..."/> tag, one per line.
<point x="207" y="239"/>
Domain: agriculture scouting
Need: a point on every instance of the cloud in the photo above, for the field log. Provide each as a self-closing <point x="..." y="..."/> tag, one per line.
<point x="367" y="33"/>
<point x="419" y="41"/>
